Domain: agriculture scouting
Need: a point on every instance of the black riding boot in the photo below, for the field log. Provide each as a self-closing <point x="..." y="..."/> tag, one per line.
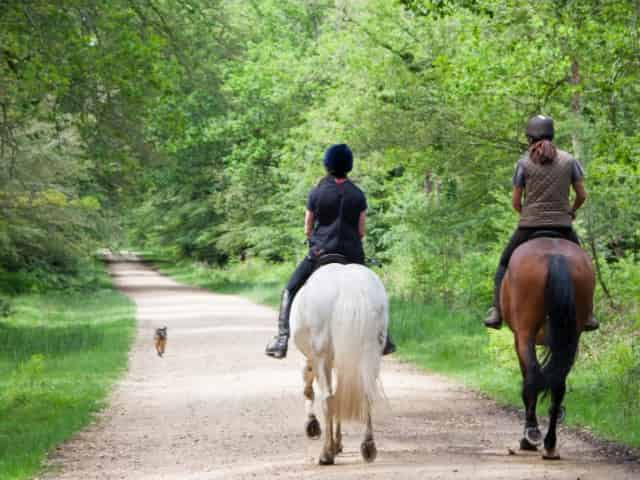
<point x="389" y="346"/>
<point x="494" y="320"/>
<point x="278" y="346"/>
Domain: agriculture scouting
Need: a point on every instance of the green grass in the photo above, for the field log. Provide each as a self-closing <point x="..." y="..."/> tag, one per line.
<point x="603" y="393"/>
<point x="59" y="354"/>
<point x="455" y="344"/>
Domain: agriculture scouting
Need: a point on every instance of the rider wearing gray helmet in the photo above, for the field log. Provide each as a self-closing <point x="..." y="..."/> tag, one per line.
<point x="544" y="176"/>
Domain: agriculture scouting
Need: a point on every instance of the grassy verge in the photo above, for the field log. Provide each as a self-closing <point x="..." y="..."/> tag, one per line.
<point x="603" y="393"/>
<point x="60" y="353"/>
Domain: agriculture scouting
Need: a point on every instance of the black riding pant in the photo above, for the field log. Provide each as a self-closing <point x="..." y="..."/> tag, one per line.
<point x="300" y="275"/>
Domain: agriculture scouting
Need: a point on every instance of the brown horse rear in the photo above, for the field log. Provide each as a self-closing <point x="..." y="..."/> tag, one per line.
<point x="522" y="293"/>
<point x="549" y="286"/>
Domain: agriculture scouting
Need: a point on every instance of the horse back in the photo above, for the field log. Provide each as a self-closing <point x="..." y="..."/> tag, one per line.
<point x="523" y="289"/>
<point x="314" y="311"/>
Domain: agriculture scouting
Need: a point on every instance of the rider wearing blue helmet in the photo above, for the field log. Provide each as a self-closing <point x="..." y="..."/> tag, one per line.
<point x="334" y="223"/>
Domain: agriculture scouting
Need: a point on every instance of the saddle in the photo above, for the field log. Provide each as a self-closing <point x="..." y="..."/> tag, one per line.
<point x="545" y="234"/>
<point x="327" y="258"/>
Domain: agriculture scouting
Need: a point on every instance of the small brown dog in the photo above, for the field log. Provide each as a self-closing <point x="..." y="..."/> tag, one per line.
<point x="160" y="339"/>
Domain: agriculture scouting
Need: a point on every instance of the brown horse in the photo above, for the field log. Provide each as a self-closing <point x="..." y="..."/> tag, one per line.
<point x="546" y="298"/>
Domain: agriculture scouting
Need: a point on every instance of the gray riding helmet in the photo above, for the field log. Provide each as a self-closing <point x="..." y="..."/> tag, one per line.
<point x="540" y="128"/>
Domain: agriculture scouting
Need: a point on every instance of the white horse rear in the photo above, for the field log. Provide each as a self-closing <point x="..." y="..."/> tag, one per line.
<point x="339" y="321"/>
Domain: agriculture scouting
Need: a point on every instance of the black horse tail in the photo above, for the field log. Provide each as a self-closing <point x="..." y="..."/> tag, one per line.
<point x="561" y="332"/>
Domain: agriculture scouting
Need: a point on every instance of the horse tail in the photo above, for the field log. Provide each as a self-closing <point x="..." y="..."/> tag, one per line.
<point x="359" y="320"/>
<point x="561" y="331"/>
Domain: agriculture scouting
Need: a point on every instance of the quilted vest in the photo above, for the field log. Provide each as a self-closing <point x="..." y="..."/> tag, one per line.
<point x="546" y="190"/>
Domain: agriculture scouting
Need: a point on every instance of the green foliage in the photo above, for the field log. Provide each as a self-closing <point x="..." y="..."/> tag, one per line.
<point x="5" y="307"/>
<point x="61" y="353"/>
<point x="196" y="129"/>
<point x="78" y="79"/>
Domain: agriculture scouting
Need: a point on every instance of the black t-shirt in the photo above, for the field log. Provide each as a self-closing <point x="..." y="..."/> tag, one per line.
<point x="337" y="208"/>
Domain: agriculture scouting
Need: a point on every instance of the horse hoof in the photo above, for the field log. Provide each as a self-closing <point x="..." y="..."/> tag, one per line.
<point x="325" y="460"/>
<point x="337" y="449"/>
<point x="551" y="455"/>
<point x="527" y="446"/>
<point x="533" y="435"/>
<point x="368" y="450"/>
<point x="313" y="429"/>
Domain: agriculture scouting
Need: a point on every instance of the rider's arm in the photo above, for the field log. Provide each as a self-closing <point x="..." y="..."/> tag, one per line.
<point x="516" y="199"/>
<point x="362" y="223"/>
<point x="581" y="196"/>
<point x="309" y="218"/>
<point x="518" y="187"/>
<point x="577" y="181"/>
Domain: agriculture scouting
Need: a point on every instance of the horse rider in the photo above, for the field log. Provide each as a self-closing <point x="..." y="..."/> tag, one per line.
<point x="334" y="223"/>
<point x="544" y="175"/>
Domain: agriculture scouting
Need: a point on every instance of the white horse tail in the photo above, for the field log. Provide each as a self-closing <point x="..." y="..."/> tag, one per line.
<point x="358" y="331"/>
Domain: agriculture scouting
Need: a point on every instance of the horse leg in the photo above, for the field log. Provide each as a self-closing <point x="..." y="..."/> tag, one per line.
<point x="557" y="395"/>
<point x="337" y="444"/>
<point x="312" y="426"/>
<point x="530" y="386"/>
<point x="368" y="447"/>
<point x="323" y="372"/>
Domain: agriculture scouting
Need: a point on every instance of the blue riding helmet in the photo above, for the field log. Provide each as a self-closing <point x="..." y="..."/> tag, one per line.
<point x="338" y="159"/>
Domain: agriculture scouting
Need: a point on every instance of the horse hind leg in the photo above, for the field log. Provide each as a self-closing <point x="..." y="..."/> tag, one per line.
<point x="368" y="446"/>
<point x="337" y="443"/>
<point x="530" y="388"/>
<point x="312" y="425"/>
<point x="557" y="395"/>
<point x="323" y="373"/>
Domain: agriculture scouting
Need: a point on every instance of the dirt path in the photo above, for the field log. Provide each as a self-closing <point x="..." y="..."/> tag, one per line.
<point x="216" y="408"/>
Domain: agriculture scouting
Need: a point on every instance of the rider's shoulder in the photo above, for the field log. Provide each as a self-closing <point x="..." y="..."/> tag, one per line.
<point x="521" y="163"/>
<point x="355" y="187"/>
<point x="322" y="183"/>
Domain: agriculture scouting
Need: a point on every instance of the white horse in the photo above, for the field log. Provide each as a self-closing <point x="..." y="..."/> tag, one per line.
<point x="339" y="321"/>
